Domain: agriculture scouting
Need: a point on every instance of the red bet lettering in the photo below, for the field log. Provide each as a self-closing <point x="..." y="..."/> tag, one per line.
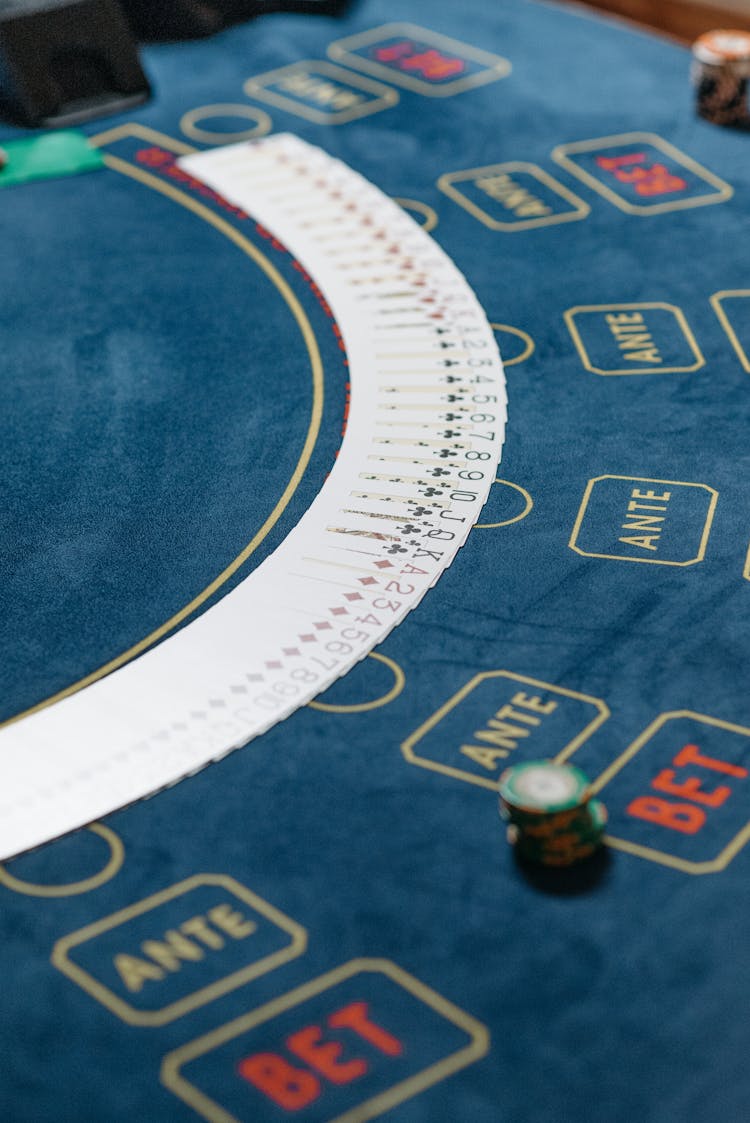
<point x="690" y="789"/>
<point x="354" y="1017"/>
<point x="289" y="1087"/>
<point x="431" y="64"/>
<point x="635" y="175"/>
<point x="610" y="163"/>
<point x="683" y="817"/>
<point x="660" y="181"/>
<point x="324" y="1056"/>
<point x="394" y="52"/>
<point x="691" y="754"/>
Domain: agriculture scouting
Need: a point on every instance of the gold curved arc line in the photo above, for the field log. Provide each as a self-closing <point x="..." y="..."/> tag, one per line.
<point x="190" y="127"/>
<point x="524" y="335"/>
<point x="363" y="707"/>
<point x="528" y="504"/>
<point x="312" y="434"/>
<point x="132" y="129"/>
<point x="429" y="214"/>
<point x="73" y="888"/>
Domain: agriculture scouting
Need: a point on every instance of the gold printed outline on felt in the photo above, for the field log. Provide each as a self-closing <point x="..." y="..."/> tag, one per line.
<point x="428" y="213"/>
<point x="172" y="1078"/>
<point x="399" y="681"/>
<point x="407" y="747"/>
<point x="385" y="96"/>
<point x="560" y="154"/>
<point x="746" y="566"/>
<point x="528" y="351"/>
<point x="446" y="184"/>
<point x="527" y="508"/>
<point x="190" y="127"/>
<point x="718" y="307"/>
<point x="497" y="66"/>
<point x="165" y="1014"/>
<point x="573" y="545"/>
<point x="142" y="132"/>
<point x="663" y="857"/>
<point x="73" y="888"/>
<point x="588" y="309"/>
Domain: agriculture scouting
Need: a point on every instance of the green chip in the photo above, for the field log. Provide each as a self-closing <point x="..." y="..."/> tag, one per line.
<point x="599" y="817"/>
<point x="48" y="156"/>
<point x="549" y="844"/>
<point x="541" y="786"/>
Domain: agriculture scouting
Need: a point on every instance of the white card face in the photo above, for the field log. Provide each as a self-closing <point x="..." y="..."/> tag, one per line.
<point x="422" y="444"/>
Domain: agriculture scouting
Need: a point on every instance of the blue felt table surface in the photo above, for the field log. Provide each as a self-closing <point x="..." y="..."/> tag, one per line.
<point x="156" y="395"/>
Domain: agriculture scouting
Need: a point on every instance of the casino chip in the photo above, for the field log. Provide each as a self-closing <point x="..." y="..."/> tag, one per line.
<point x="551" y="818"/>
<point x="720" y="73"/>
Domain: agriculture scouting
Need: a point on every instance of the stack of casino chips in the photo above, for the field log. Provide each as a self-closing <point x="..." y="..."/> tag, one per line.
<point x="721" y="69"/>
<point x="551" y="817"/>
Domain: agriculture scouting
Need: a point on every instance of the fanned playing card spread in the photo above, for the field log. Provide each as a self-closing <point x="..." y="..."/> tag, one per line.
<point x="421" y="448"/>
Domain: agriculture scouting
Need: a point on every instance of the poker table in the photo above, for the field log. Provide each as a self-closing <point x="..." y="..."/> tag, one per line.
<point x="328" y="924"/>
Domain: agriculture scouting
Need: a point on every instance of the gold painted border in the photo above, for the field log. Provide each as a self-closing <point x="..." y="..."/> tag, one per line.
<point x="726" y="323"/>
<point x="497" y="66"/>
<point x="446" y="181"/>
<point x="133" y="129"/>
<point x="190" y="127"/>
<point x="142" y="132"/>
<point x="73" y="888"/>
<point x="529" y="348"/>
<point x="562" y="151"/>
<point x="664" y="858"/>
<point x="528" y="504"/>
<point x="407" y="747"/>
<point x="399" y="681"/>
<point x="428" y="213"/>
<point x="645" y="561"/>
<point x="165" y="1014"/>
<point x="172" y="1078"/>
<point x="678" y="314"/>
<point x="385" y="95"/>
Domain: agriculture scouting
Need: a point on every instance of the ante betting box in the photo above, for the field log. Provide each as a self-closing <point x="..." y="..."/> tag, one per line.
<point x="261" y="563"/>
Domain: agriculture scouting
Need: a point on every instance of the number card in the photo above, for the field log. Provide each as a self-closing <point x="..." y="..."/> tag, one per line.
<point x="420" y="453"/>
